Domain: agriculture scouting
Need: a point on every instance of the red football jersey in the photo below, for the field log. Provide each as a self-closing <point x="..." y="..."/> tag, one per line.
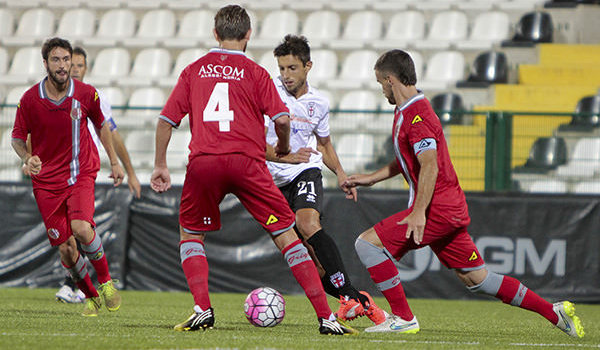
<point x="226" y="95"/>
<point x="59" y="133"/>
<point x="416" y="129"/>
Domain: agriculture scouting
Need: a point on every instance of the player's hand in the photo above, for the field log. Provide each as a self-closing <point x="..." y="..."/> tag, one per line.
<point x="32" y="166"/>
<point x="117" y="174"/>
<point x="134" y="186"/>
<point x="415" y="222"/>
<point x="358" y="180"/>
<point x="350" y="191"/>
<point x="301" y="156"/>
<point x="281" y="150"/>
<point x="160" y="181"/>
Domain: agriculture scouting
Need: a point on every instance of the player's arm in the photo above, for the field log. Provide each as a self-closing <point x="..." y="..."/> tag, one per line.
<point x="105" y="136"/>
<point x="300" y="156"/>
<point x="282" y="129"/>
<point x="161" y="180"/>
<point x="132" y="180"/>
<point x="332" y="161"/>
<point x="426" y="185"/>
<point x="379" y="175"/>
<point x="32" y="165"/>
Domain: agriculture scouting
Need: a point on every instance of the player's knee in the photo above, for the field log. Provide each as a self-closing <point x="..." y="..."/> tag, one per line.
<point x="80" y="228"/>
<point x="307" y="228"/>
<point x="484" y="282"/>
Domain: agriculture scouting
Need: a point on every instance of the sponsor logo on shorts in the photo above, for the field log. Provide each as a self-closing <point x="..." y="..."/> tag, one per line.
<point x="272" y="219"/>
<point x="416" y="119"/>
<point x="311" y="198"/>
<point x="474" y="256"/>
<point x="53" y="233"/>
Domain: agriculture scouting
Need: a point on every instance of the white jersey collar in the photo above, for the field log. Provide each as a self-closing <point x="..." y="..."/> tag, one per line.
<point x="419" y="96"/>
<point x="231" y="52"/>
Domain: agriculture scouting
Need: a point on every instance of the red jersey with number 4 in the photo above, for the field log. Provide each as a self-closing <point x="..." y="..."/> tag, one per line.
<point x="59" y="133"/>
<point x="226" y="95"/>
<point x="418" y="129"/>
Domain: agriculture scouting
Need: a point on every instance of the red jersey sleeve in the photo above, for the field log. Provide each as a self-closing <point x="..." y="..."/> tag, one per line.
<point x="94" y="110"/>
<point x="271" y="103"/>
<point x="420" y="127"/>
<point x="178" y="103"/>
<point x="20" y="128"/>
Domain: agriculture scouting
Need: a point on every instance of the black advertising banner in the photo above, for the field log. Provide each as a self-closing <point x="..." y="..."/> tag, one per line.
<point x="550" y="243"/>
<point x="26" y="257"/>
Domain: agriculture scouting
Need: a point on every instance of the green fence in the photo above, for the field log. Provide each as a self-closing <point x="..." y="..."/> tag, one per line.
<point x="490" y="150"/>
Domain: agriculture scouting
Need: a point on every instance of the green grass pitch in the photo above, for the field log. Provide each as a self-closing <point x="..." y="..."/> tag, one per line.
<point x="31" y="319"/>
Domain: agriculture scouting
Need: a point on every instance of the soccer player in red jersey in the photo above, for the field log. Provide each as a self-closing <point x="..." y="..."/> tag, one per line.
<point x="63" y="164"/>
<point x="437" y="213"/>
<point x="226" y="95"/>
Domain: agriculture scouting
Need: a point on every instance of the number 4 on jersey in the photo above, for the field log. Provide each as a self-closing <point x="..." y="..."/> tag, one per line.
<point x="217" y="108"/>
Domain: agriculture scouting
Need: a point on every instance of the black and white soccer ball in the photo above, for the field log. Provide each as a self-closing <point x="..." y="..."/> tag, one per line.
<point x="264" y="307"/>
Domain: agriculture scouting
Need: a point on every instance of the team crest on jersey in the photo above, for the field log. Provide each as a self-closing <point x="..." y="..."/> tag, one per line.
<point x="272" y="219"/>
<point x="223" y="57"/>
<point x="75" y="110"/>
<point x="311" y="109"/>
<point x="53" y="233"/>
<point x="416" y="119"/>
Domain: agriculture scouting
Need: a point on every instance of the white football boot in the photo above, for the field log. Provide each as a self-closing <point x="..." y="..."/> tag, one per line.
<point x="567" y="321"/>
<point x="394" y="323"/>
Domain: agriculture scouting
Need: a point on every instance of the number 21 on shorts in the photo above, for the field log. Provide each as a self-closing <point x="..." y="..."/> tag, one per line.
<point x="217" y="108"/>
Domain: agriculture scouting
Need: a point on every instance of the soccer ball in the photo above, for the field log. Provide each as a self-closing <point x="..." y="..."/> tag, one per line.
<point x="264" y="307"/>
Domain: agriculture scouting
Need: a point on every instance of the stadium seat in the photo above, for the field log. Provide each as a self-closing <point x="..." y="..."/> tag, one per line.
<point x="26" y="67"/>
<point x="447" y="28"/>
<point x="548" y="186"/>
<point x="195" y="27"/>
<point x="185" y="58"/>
<point x="110" y="65"/>
<point x="585" y="160"/>
<point x="35" y="25"/>
<point x="3" y="61"/>
<point x="156" y="26"/>
<point x="274" y="27"/>
<point x="532" y="28"/>
<point x="6" y="23"/>
<point x="587" y="115"/>
<point x="445" y="105"/>
<point x="489" y="28"/>
<point x="140" y="144"/>
<point x="76" y="24"/>
<point x="268" y="62"/>
<point x="547" y="153"/>
<point x="443" y="70"/>
<point x="115" y="25"/>
<point x="361" y="28"/>
<point x="149" y="66"/>
<point x="354" y="101"/>
<point x="489" y="68"/>
<point x="587" y="187"/>
<point x="178" y="151"/>
<point x="320" y="27"/>
<point x="116" y="98"/>
<point x="143" y="107"/>
<point x="404" y="29"/>
<point x="355" y="151"/>
<point x="324" y="66"/>
<point x="357" y="70"/>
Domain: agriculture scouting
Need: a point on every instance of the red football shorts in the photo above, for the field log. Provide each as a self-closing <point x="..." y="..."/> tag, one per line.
<point x="59" y="207"/>
<point x="452" y="245"/>
<point x="209" y="178"/>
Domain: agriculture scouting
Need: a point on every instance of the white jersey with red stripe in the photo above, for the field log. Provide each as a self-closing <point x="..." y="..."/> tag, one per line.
<point x="309" y="118"/>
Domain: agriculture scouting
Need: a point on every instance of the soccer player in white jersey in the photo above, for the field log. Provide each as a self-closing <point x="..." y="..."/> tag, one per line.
<point x="68" y="293"/>
<point x="301" y="184"/>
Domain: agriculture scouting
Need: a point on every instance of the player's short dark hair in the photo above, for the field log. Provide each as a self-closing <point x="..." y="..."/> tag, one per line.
<point x="52" y="43"/>
<point x="400" y="64"/>
<point x="294" y="45"/>
<point x="78" y="50"/>
<point x="232" y="23"/>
